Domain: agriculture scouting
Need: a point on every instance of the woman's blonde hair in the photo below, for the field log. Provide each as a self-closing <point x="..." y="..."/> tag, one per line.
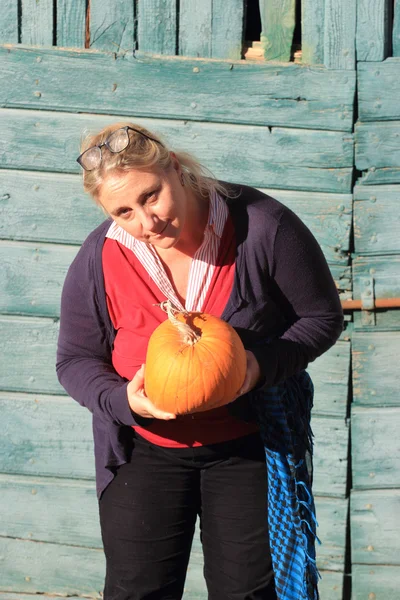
<point x="144" y="153"/>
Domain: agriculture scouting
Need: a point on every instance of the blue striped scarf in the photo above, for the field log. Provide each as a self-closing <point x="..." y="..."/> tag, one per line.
<point x="284" y="414"/>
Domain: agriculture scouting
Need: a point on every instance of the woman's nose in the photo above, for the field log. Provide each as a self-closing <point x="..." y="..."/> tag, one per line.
<point x="148" y="221"/>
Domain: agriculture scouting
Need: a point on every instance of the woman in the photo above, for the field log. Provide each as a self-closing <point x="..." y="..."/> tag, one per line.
<point x="176" y="234"/>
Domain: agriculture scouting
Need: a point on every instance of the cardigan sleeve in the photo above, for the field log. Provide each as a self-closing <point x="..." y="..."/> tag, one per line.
<point x="303" y="287"/>
<point x="84" y="366"/>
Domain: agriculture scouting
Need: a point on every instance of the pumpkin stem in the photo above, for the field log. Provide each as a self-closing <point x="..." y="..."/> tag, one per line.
<point x="188" y="335"/>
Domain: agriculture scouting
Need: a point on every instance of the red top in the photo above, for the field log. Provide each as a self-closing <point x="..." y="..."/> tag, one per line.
<point x="131" y="295"/>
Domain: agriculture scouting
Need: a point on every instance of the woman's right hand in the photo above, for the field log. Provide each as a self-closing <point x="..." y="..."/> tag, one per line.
<point x="138" y="401"/>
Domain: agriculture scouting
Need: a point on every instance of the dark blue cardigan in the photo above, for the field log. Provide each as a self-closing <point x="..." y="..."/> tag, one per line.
<point x="283" y="292"/>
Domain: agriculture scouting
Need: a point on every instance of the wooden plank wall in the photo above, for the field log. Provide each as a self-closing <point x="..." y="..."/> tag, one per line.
<point x="375" y="411"/>
<point x="283" y="127"/>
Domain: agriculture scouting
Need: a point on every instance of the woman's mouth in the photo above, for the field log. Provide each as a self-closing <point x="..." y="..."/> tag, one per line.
<point x="159" y="234"/>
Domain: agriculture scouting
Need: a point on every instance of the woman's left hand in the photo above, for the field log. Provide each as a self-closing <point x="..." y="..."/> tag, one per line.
<point x="253" y="374"/>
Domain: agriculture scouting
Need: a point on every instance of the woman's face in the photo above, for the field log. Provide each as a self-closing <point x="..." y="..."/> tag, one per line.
<point x="150" y="205"/>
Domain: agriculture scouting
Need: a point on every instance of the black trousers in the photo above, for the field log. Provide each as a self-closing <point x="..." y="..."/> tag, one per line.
<point x="148" y="515"/>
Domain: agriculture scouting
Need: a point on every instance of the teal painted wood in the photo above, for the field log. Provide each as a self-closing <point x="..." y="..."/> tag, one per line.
<point x="330" y="589"/>
<point x="385" y="176"/>
<point x="385" y="271"/>
<point x="373" y="33"/>
<point x="375" y="368"/>
<point x="396" y="29"/>
<point x="376" y="219"/>
<point x="331" y="585"/>
<point x="375" y="529"/>
<point x="30" y="359"/>
<point x="330" y="375"/>
<point x="330" y="456"/>
<point x="381" y="581"/>
<point x="342" y="276"/>
<point x="312" y="31"/>
<point x="195" y="26"/>
<point x="328" y="216"/>
<point x="377" y="145"/>
<point x="67" y="214"/>
<point x="15" y="596"/>
<point x="37" y="22"/>
<point x="284" y="158"/>
<point x="227" y="29"/>
<point x="31" y="567"/>
<point x="340" y="34"/>
<point x="112" y="26"/>
<point x="71" y="23"/>
<point x="378" y="90"/>
<point x="52" y="515"/>
<point x="9" y="22"/>
<point x="277" y="28"/>
<point x="375" y="447"/>
<point x="33" y="275"/>
<point x="332" y="518"/>
<point x="157" y="26"/>
<point x="290" y="95"/>
<point x="49" y="436"/>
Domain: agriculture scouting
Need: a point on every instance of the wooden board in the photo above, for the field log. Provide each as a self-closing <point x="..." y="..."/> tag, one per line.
<point x="330" y="375"/>
<point x="340" y="34"/>
<point x="277" y="22"/>
<point x="39" y="428"/>
<point x="375" y="368"/>
<point x="31" y="567"/>
<point x="376" y="219"/>
<point x="157" y="31"/>
<point x="227" y="29"/>
<point x="375" y="582"/>
<point x="388" y="175"/>
<point x="52" y="516"/>
<point x="330" y="456"/>
<point x="34" y="273"/>
<point x="58" y="210"/>
<point x="312" y="31"/>
<point x="9" y="22"/>
<point x="289" y="95"/>
<point x="37" y="22"/>
<point x="373" y="30"/>
<point x="29" y="363"/>
<point x="377" y="145"/>
<point x="112" y="26"/>
<point x="331" y="585"/>
<point x="316" y="161"/>
<point x="385" y="271"/>
<point x="396" y="30"/>
<point x="327" y="215"/>
<point x="378" y="90"/>
<point x="211" y="28"/>
<point x="71" y="23"/>
<point x="332" y="520"/>
<point x="45" y="510"/>
<point x="375" y="528"/>
<point x="34" y="567"/>
<point x="48" y="436"/>
<point x="375" y="447"/>
<point x="195" y="26"/>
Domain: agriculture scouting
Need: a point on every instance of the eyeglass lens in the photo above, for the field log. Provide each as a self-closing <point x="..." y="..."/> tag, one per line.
<point x="118" y="140"/>
<point x="91" y="158"/>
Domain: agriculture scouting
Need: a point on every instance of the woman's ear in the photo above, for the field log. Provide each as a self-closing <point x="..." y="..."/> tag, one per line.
<point x="175" y="162"/>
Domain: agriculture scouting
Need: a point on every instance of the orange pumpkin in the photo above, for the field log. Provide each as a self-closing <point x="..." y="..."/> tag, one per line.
<point x="195" y="362"/>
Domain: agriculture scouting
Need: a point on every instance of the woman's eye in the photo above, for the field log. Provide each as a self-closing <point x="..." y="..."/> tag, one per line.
<point x="123" y="212"/>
